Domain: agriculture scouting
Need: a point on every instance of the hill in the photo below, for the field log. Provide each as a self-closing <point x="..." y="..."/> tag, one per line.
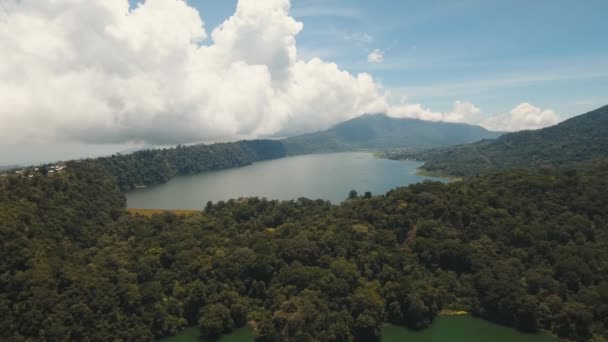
<point x="378" y="131"/>
<point x="579" y="139"/>
<point x="8" y="167"/>
<point x="149" y="167"/>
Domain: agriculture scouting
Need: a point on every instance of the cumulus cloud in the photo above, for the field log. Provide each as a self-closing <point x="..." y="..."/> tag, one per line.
<point x="524" y="116"/>
<point x="462" y="111"/>
<point x="360" y="39"/>
<point x="97" y="71"/>
<point x="376" y="56"/>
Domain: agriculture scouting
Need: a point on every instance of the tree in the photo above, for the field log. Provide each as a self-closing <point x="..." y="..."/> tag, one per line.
<point x="208" y="207"/>
<point x="215" y="320"/>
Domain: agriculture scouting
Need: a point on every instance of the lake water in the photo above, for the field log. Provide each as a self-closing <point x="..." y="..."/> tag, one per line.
<point x="444" y="329"/>
<point x="325" y="176"/>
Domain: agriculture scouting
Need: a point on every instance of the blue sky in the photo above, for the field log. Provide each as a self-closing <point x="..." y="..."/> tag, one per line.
<point x="145" y="78"/>
<point x="495" y="54"/>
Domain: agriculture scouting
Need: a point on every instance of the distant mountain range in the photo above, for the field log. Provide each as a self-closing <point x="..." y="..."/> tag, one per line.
<point x="581" y="138"/>
<point x="8" y="167"/>
<point x="379" y="131"/>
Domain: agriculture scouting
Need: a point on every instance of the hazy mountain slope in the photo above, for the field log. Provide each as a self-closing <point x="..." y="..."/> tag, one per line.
<point x="8" y="167"/>
<point x="582" y="138"/>
<point x="378" y="131"/>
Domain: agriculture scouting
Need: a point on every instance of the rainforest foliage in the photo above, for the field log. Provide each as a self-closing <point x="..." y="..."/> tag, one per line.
<point x="525" y="249"/>
<point x="582" y="138"/>
<point x="158" y="166"/>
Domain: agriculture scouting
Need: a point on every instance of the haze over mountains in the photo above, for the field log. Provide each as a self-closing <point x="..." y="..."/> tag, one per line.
<point x="366" y="132"/>
<point x="379" y="131"/>
<point x="369" y="132"/>
<point x="579" y="139"/>
<point x="448" y="148"/>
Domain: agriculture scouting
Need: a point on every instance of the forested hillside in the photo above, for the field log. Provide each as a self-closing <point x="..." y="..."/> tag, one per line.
<point x="581" y="138"/>
<point x="378" y="131"/>
<point x="159" y="166"/>
<point x="156" y="166"/>
<point x="526" y="249"/>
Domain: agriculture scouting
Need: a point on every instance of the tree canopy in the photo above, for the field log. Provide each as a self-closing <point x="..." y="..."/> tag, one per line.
<point x="527" y="249"/>
<point x="158" y="166"/>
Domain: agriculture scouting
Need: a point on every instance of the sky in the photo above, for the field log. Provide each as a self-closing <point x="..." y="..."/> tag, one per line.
<point x="92" y="77"/>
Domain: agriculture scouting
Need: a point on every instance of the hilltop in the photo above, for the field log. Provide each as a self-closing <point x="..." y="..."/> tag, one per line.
<point x="379" y="131"/>
<point x="579" y="139"/>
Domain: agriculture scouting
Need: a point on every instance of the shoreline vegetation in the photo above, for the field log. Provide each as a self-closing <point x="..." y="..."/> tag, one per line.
<point x="393" y="332"/>
<point x="152" y="212"/>
<point x="420" y="171"/>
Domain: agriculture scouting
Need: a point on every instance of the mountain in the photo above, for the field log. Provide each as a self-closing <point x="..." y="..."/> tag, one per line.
<point x="579" y="139"/>
<point x="378" y="131"/>
<point x="9" y="167"/>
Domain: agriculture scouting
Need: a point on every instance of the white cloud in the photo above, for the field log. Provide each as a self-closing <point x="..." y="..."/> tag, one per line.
<point x="376" y="56"/>
<point x="524" y="116"/>
<point x="360" y="39"/>
<point x="95" y="71"/>
<point x="462" y="111"/>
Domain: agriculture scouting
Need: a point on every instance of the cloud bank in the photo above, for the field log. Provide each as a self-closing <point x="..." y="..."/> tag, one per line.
<point x="97" y="71"/>
<point x="461" y="112"/>
<point x="523" y="117"/>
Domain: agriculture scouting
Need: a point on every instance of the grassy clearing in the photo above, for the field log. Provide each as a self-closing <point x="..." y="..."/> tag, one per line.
<point x="453" y="312"/>
<point x="151" y="212"/>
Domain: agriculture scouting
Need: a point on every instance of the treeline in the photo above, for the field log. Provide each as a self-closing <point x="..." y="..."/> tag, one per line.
<point x="158" y="166"/>
<point x="525" y="249"/>
<point x="582" y="138"/>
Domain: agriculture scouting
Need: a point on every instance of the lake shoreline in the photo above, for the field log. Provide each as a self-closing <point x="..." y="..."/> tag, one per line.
<point x="446" y="327"/>
<point x="329" y="177"/>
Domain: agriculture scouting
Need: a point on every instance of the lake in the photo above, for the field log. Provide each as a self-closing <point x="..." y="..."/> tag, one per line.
<point x="444" y="329"/>
<point x="326" y="176"/>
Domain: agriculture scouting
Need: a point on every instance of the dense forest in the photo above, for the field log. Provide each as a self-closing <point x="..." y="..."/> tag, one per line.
<point x="527" y="249"/>
<point x="157" y="166"/>
<point x="380" y="132"/>
<point x="582" y="138"/>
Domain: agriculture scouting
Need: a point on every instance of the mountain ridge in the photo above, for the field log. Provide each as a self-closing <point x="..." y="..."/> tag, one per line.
<point x="380" y="131"/>
<point x="578" y="139"/>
